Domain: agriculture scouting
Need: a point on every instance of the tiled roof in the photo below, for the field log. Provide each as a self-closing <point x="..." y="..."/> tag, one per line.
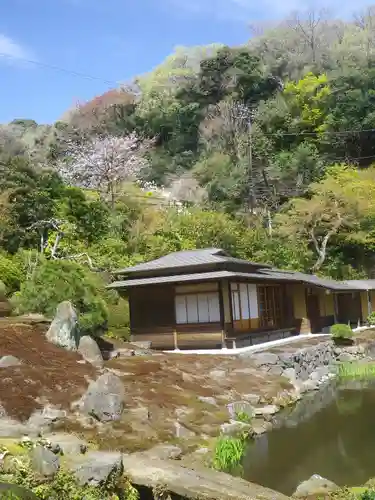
<point x="362" y="284"/>
<point x="187" y="258"/>
<point x="180" y="278"/>
<point x="263" y="275"/>
<point x="311" y="279"/>
<point x="193" y="259"/>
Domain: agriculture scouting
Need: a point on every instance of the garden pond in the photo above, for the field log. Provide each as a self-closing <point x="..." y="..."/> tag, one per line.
<point x="330" y="432"/>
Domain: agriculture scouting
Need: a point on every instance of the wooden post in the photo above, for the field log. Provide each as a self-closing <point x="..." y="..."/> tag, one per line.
<point x="369" y="304"/>
<point x="222" y="314"/>
<point x="335" y="308"/>
<point x="175" y="339"/>
<point x="222" y="339"/>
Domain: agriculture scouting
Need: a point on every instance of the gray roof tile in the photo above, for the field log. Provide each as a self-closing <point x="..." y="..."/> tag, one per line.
<point x="180" y="278"/>
<point x="187" y="258"/>
<point x="362" y="284"/>
<point x="191" y="258"/>
<point x="271" y="275"/>
<point x="310" y="279"/>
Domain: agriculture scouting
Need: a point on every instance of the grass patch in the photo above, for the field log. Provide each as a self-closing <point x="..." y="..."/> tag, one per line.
<point x="243" y="417"/>
<point x="228" y="453"/>
<point x="355" y="371"/>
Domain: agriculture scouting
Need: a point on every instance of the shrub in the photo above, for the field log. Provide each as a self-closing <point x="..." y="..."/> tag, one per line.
<point x="10" y="274"/>
<point x="371" y="319"/>
<point x="368" y="495"/>
<point x="229" y="452"/>
<point x="3" y="291"/>
<point x="118" y="320"/>
<point x="340" y="331"/>
<point x="55" y="281"/>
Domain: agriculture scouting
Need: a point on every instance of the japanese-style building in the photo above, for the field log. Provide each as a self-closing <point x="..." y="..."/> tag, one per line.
<point x="200" y="299"/>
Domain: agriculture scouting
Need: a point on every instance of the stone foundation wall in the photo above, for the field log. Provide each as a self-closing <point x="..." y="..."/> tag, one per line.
<point x="308" y="367"/>
<point x="259" y="338"/>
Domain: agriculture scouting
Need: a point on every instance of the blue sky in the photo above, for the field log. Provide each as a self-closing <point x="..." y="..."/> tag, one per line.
<point x="113" y="40"/>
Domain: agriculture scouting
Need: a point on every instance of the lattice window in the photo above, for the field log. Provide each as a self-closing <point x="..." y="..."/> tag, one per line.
<point x="270" y="306"/>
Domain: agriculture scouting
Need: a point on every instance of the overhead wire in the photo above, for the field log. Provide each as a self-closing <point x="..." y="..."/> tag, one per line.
<point x="326" y="132"/>
<point x="118" y="82"/>
<point x="61" y="69"/>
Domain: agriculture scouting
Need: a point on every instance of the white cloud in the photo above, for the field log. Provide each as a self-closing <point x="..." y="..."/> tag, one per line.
<point x="248" y="10"/>
<point x="12" y="52"/>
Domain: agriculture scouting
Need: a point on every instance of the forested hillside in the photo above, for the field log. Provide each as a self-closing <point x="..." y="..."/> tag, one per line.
<point x="265" y="150"/>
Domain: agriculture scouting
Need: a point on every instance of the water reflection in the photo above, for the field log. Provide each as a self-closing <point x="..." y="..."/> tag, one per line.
<point x="331" y="433"/>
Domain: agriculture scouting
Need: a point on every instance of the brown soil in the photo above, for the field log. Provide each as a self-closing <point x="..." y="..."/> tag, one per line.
<point x="167" y="385"/>
<point x="48" y="373"/>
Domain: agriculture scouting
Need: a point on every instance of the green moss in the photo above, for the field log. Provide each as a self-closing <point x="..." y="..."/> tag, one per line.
<point x="64" y="484"/>
<point x="13" y="447"/>
<point x="241" y="416"/>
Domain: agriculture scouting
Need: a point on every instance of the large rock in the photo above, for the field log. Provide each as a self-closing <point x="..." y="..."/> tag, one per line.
<point x="18" y="492"/>
<point x="253" y="399"/>
<point x="265" y="358"/>
<point x="316" y="485"/>
<point x="97" y="467"/>
<point x="104" y="398"/>
<point x="194" y="483"/>
<point x="267" y="410"/>
<point x="290" y="374"/>
<point x="165" y="452"/>
<point x="235" y="428"/>
<point x="241" y="408"/>
<point x="69" y="444"/>
<point x="90" y="351"/>
<point x="12" y="428"/>
<point x="42" y="420"/>
<point x="44" y="462"/>
<point x="8" y="361"/>
<point x="64" y="329"/>
<point x="183" y="432"/>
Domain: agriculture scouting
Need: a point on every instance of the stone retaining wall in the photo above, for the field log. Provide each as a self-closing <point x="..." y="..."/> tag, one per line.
<point x="308" y="367"/>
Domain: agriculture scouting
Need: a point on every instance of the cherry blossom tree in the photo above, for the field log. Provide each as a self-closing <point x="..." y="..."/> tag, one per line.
<point x="104" y="163"/>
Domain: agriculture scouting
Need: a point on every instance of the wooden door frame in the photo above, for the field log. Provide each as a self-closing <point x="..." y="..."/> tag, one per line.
<point x="315" y="322"/>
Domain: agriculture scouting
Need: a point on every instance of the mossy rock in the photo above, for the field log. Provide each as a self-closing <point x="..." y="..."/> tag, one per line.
<point x="10" y="491"/>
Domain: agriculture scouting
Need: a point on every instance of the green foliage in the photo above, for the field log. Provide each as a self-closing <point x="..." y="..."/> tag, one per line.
<point x="367" y="495"/>
<point x="228" y="453"/>
<point x="260" y="127"/>
<point x="65" y="486"/>
<point x="27" y="196"/>
<point x="241" y="416"/>
<point x="356" y="371"/>
<point x="354" y="493"/>
<point x="3" y="290"/>
<point x="10" y="274"/>
<point x="12" y="495"/>
<point x="340" y="331"/>
<point x="119" y="320"/>
<point x="90" y="216"/>
<point x="56" y="281"/>
<point x="371" y="319"/>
